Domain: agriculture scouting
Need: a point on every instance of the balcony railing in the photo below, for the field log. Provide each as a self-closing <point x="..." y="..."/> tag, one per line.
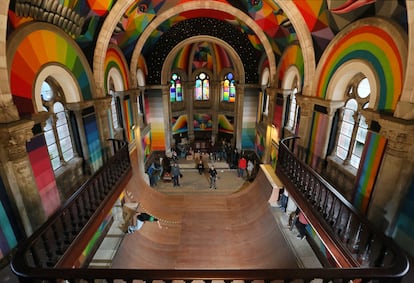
<point x="369" y="256"/>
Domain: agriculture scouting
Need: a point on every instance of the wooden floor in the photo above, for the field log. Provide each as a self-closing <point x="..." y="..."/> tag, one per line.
<point x="205" y="231"/>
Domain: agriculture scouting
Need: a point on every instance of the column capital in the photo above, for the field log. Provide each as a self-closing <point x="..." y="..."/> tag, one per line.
<point x="14" y="136"/>
<point x="400" y="136"/>
<point x="103" y="102"/>
<point x="8" y="110"/>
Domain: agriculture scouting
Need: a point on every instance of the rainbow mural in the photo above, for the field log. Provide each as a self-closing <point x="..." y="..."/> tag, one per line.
<point x="225" y="124"/>
<point x="128" y="119"/>
<point x="179" y="124"/>
<point x="319" y="134"/>
<point x="292" y="56"/>
<point x="202" y="122"/>
<point x="8" y="229"/>
<point x="94" y="144"/>
<point x="375" y="45"/>
<point x="47" y="44"/>
<point x="43" y="173"/>
<point x="368" y="169"/>
<point x="115" y="59"/>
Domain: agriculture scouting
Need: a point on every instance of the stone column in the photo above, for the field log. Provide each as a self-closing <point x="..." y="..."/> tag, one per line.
<point x="306" y="110"/>
<point x="19" y="178"/>
<point x="188" y="91"/>
<point x="395" y="174"/>
<point x="167" y="117"/>
<point x="77" y="110"/>
<point x="271" y="92"/>
<point x="238" y="114"/>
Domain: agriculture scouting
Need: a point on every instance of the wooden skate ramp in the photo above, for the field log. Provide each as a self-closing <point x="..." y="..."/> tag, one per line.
<point x="235" y="231"/>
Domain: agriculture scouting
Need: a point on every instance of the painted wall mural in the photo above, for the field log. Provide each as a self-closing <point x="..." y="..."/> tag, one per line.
<point x="179" y="124"/>
<point x="43" y="44"/>
<point x="225" y="124"/>
<point x="202" y="122"/>
<point x="115" y="59"/>
<point x="9" y="232"/>
<point x="375" y="45"/>
<point x="94" y="144"/>
<point x="319" y="134"/>
<point x="43" y="174"/>
<point x="249" y="120"/>
<point x="368" y="169"/>
<point x="155" y="114"/>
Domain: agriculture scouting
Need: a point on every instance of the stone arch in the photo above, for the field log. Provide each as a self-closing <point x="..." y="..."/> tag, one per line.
<point x="65" y="80"/>
<point x="340" y="81"/>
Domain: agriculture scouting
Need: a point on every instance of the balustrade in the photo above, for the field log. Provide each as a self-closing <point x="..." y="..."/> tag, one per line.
<point x="367" y="255"/>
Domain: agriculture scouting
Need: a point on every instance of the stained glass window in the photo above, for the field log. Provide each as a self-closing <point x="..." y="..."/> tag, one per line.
<point x="176" y="93"/>
<point x="202" y="87"/>
<point x="228" y="88"/>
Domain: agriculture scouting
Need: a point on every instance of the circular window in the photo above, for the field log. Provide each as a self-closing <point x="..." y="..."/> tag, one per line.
<point x="364" y="89"/>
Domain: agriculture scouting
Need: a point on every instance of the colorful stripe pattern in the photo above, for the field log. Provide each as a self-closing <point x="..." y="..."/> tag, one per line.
<point x="368" y="169"/>
<point x="157" y="121"/>
<point x="319" y="134"/>
<point x="115" y="59"/>
<point x="404" y="228"/>
<point x="94" y="144"/>
<point x="225" y="124"/>
<point x="36" y="49"/>
<point x="291" y="57"/>
<point x="375" y="45"/>
<point x="128" y="119"/>
<point x="179" y="124"/>
<point x="8" y="237"/>
<point x="43" y="174"/>
<point x="249" y="121"/>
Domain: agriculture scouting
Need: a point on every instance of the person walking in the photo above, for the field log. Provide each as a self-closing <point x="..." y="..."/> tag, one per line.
<point x="200" y="167"/>
<point x="301" y="224"/>
<point x="175" y="175"/>
<point x="213" y="177"/>
<point x="250" y="167"/>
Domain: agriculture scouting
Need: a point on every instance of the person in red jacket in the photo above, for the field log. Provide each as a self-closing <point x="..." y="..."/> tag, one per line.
<point x="242" y="166"/>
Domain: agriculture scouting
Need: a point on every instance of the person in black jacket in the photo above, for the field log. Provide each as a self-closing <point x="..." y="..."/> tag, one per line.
<point x="213" y="177"/>
<point x="200" y="167"/>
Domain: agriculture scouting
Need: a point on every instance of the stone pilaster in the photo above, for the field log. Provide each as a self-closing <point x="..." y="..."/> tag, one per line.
<point x="238" y="114"/>
<point x="167" y="118"/>
<point x="272" y="92"/>
<point x="395" y="174"/>
<point x="103" y="114"/>
<point x="305" y="104"/>
<point x="19" y="178"/>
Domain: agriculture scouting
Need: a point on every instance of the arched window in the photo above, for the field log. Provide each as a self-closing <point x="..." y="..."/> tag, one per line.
<point x="56" y="130"/>
<point x="228" y="88"/>
<point x="291" y="124"/>
<point x="202" y="87"/>
<point x="114" y="110"/>
<point x="353" y="130"/>
<point x="176" y="92"/>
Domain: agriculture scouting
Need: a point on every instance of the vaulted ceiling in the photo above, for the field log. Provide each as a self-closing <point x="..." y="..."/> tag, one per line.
<point x="82" y="19"/>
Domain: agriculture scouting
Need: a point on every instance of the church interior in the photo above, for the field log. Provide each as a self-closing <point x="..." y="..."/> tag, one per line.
<point x="316" y="94"/>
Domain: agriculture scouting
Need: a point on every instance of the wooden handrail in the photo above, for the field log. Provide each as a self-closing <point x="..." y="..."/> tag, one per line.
<point x="385" y="262"/>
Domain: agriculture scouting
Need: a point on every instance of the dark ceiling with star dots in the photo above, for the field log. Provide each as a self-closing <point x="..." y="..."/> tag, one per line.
<point x="203" y="26"/>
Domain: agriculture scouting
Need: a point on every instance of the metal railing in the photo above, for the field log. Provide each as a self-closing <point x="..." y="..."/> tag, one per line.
<point x="370" y="257"/>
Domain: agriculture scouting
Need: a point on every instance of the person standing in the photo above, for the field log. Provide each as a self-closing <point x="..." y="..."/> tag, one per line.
<point x="301" y="224"/>
<point x="250" y="167"/>
<point x="213" y="177"/>
<point x="200" y="167"/>
<point x="176" y="174"/>
<point x="242" y="166"/>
